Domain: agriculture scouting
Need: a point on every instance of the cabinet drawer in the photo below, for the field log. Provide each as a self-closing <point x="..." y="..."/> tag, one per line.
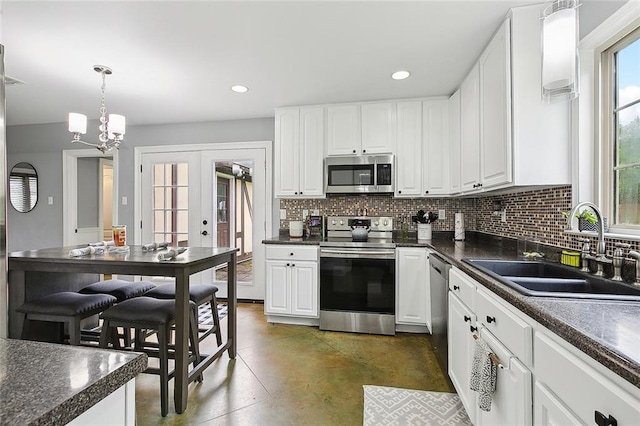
<point x="512" y="331"/>
<point x="463" y="286"/>
<point x="279" y="252"/>
<point x="581" y="388"/>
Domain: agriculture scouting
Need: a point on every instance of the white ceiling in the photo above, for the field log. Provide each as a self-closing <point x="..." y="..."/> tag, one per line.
<point x="175" y="61"/>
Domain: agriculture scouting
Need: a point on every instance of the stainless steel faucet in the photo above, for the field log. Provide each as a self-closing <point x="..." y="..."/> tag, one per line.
<point x="618" y="260"/>
<point x="635" y="255"/>
<point x="600" y="257"/>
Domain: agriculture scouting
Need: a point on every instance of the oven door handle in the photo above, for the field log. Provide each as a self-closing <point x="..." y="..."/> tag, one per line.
<point x="357" y="252"/>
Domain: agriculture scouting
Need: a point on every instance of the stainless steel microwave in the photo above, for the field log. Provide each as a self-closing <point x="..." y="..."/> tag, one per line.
<point x="359" y="174"/>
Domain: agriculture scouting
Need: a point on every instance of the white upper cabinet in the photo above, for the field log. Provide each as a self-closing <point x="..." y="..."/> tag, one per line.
<point x="361" y="129"/>
<point x="409" y="149"/>
<point x="299" y="152"/>
<point x="454" y="143"/>
<point x="343" y="130"/>
<point x="378" y="128"/>
<point x="470" y="131"/>
<point x="435" y="125"/>
<point x="516" y="139"/>
<point x="495" y="111"/>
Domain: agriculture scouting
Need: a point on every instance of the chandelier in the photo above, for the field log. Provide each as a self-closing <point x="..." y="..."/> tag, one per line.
<point x="111" y="130"/>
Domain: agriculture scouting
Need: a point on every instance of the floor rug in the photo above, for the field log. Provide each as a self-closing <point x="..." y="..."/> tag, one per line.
<point x="394" y="406"/>
<point x="204" y="313"/>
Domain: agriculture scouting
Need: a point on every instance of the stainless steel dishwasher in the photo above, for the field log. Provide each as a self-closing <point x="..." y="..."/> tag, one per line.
<point x="439" y="276"/>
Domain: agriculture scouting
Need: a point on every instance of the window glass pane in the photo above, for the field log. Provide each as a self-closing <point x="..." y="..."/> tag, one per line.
<point x="628" y="75"/>
<point x="158" y="198"/>
<point x="168" y="217"/>
<point x="628" y="137"/>
<point x="158" y="174"/>
<point x="183" y="174"/>
<point x="182" y="221"/>
<point x="628" y="196"/>
<point x="183" y="198"/>
<point x="158" y="221"/>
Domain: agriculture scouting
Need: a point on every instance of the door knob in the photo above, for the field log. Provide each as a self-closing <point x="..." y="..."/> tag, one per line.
<point x="204" y="222"/>
<point x="205" y="233"/>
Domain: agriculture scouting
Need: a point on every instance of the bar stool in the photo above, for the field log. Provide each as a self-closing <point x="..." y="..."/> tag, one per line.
<point x="144" y="314"/>
<point x="65" y="307"/>
<point x="120" y="289"/>
<point x="199" y="294"/>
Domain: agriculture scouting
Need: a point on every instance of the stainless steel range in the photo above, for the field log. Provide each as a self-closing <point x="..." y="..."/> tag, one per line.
<point x="357" y="275"/>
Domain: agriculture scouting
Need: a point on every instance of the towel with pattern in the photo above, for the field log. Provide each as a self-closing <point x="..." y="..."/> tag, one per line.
<point x="483" y="374"/>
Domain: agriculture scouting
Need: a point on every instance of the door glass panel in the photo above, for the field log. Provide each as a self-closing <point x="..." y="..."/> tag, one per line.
<point x="233" y="212"/>
<point x="170" y="203"/>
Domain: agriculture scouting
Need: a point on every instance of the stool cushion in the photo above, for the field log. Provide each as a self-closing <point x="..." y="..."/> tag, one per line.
<point x="68" y="303"/>
<point x="121" y="290"/>
<point x="143" y="309"/>
<point x="197" y="292"/>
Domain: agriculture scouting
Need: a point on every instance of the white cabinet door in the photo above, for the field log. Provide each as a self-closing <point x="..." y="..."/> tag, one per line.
<point x="470" y="131"/>
<point x="435" y="124"/>
<point x="548" y="411"/>
<point x="495" y="108"/>
<point x="343" y="130"/>
<point x="311" y="152"/>
<point x="378" y="128"/>
<point x="460" y="352"/>
<point x="511" y="401"/>
<point x="409" y="149"/>
<point x="277" y="288"/>
<point x="412" y="287"/>
<point x="454" y="143"/>
<point x="286" y="156"/>
<point x="304" y="289"/>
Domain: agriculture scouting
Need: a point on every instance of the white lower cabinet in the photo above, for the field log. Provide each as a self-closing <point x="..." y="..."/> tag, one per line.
<point x="549" y="411"/>
<point x="460" y="351"/>
<point x="412" y="286"/>
<point x="291" y="282"/>
<point x="576" y="388"/>
<point x="511" y="402"/>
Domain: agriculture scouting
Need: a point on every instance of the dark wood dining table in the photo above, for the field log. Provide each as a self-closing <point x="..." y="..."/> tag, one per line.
<point x="38" y="272"/>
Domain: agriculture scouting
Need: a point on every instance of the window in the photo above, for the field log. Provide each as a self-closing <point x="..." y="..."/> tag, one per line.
<point x="171" y="203"/>
<point x="621" y="156"/>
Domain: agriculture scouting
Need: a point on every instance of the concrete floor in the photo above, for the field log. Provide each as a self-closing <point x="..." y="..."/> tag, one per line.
<point x="286" y="375"/>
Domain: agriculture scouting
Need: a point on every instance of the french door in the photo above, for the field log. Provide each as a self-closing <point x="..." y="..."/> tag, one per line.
<point x="200" y="198"/>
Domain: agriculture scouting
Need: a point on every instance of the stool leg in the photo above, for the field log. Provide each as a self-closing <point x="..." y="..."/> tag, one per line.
<point x="104" y="334"/>
<point x="216" y="319"/>
<point x="164" y="370"/>
<point x="195" y="342"/>
<point x="74" y="331"/>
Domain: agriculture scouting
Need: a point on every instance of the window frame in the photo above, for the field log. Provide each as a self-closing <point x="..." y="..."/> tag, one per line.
<point x="608" y="131"/>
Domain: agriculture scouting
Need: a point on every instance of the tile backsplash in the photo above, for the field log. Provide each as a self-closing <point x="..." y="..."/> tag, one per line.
<point x="534" y="215"/>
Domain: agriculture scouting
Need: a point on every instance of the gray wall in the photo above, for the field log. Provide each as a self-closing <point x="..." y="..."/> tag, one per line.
<point x="88" y="191"/>
<point x="42" y="146"/>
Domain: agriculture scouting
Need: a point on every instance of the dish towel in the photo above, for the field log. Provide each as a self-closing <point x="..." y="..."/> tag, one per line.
<point x="483" y="374"/>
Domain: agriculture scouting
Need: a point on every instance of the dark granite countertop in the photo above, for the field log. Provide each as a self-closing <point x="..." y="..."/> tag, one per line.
<point x="50" y="384"/>
<point x="607" y="331"/>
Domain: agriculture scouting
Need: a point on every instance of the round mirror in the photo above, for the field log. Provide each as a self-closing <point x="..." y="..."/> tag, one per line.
<point x="23" y="187"/>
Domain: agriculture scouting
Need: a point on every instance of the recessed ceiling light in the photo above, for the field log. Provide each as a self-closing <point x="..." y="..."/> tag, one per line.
<point x="240" y="89"/>
<point x="400" y="75"/>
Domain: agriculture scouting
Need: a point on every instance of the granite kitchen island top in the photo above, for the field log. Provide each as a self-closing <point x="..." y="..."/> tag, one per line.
<point x="51" y="384"/>
<point x="607" y="331"/>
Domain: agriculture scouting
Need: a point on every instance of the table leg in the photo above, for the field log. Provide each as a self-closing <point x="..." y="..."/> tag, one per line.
<point x="232" y="305"/>
<point x="181" y="378"/>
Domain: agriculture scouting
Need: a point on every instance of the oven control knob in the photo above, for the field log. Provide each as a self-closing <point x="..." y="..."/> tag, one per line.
<point x="385" y="222"/>
<point x="376" y="223"/>
<point x="333" y="222"/>
<point x="342" y="222"/>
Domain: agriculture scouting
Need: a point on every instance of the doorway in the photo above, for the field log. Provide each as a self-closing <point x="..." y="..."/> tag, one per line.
<point x="89" y="176"/>
<point x="224" y="199"/>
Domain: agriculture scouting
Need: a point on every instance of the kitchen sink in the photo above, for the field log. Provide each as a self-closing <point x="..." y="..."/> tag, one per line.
<point x="535" y="278"/>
